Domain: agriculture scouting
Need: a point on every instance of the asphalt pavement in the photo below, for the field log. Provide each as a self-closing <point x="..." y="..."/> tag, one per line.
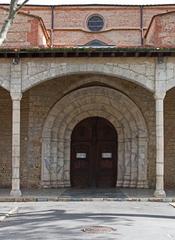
<point x="87" y="220"/>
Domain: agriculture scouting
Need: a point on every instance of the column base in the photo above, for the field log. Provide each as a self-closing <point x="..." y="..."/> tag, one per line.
<point x="15" y="193"/>
<point x="159" y="194"/>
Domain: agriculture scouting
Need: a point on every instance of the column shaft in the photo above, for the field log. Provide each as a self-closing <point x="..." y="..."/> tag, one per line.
<point x="15" y="148"/>
<point x="159" y="192"/>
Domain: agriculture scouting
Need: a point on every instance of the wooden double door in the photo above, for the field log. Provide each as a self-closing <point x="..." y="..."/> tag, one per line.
<point x="94" y="154"/>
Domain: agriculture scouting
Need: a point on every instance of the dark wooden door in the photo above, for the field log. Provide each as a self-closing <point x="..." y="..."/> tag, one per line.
<point x="94" y="154"/>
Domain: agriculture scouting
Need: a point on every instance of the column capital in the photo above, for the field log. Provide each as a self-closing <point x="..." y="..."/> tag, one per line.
<point x="159" y="95"/>
<point x="16" y="96"/>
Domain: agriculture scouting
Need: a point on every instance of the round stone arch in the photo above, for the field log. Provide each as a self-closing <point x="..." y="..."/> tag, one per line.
<point x="99" y="80"/>
<point x="46" y="71"/>
<point x="96" y="101"/>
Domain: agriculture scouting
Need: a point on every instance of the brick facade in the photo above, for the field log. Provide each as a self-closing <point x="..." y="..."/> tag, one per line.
<point x="66" y="26"/>
<point x="27" y="31"/>
<point x="43" y="98"/>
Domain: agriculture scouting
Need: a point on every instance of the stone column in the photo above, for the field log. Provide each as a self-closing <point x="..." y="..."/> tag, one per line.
<point x="159" y="192"/>
<point x="16" y="100"/>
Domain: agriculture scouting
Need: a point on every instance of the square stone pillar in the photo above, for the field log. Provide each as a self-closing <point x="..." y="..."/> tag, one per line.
<point x="16" y="100"/>
<point x="159" y="192"/>
<point x="160" y="92"/>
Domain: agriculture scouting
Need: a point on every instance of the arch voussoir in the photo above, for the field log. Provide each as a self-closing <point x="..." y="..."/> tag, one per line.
<point x="111" y="105"/>
<point x="39" y="74"/>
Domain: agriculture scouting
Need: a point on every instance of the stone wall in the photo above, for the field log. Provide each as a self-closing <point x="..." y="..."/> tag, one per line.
<point x="41" y="99"/>
<point x="169" y="114"/>
<point x="44" y="96"/>
<point x="24" y="168"/>
<point x="136" y="78"/>
<point x="5" y="138"/>
<point x="138" y="70"/>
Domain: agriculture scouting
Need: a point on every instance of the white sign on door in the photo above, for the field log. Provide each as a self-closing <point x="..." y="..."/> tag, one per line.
<point x="106" y="155"/>
<point x="80" y="155"/>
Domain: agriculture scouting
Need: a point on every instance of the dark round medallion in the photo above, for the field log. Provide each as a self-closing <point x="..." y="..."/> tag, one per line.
<point x="95" y="23"/>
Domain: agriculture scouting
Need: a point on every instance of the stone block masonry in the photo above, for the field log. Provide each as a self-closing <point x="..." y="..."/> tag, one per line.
<point x="46" y="82"/>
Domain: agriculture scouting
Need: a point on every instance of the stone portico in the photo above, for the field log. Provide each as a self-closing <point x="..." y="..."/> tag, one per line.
<point x="49" y="96"/>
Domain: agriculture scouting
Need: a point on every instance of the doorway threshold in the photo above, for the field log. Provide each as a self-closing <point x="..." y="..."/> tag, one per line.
<point x="93" y="193"/>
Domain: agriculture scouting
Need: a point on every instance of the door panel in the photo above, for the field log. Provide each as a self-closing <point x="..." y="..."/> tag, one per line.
<point x="81" y="164"/>
<point x="106" y="164"/>
<point x="94" y="154"/>
<point x="105" y="131"/>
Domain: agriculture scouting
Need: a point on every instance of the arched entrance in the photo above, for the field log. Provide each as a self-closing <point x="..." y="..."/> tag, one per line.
<point x="94" y="154"/>
<point x="88" y="102"/>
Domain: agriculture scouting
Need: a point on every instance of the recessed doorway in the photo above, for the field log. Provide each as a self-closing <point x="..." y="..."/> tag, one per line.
<point x="94" y="154"/>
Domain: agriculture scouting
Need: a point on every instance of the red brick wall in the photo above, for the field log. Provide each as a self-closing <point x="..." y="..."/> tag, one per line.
<point x="162" y="31"/>
<point x="24" y="31"/>
<point x="122" y="25"/>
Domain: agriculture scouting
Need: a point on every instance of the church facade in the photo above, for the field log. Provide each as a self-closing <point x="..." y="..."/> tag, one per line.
<point x="87" y="98"/>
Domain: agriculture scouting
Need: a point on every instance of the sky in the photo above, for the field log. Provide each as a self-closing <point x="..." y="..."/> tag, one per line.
<point x="132" y="2"/>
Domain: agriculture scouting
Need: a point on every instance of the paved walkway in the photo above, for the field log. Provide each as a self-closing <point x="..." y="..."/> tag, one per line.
<point x="70" y="194"/>
<point x="100" y="220"/>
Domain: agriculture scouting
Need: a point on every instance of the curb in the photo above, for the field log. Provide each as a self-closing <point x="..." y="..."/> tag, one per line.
<point x="74" y="199"/>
